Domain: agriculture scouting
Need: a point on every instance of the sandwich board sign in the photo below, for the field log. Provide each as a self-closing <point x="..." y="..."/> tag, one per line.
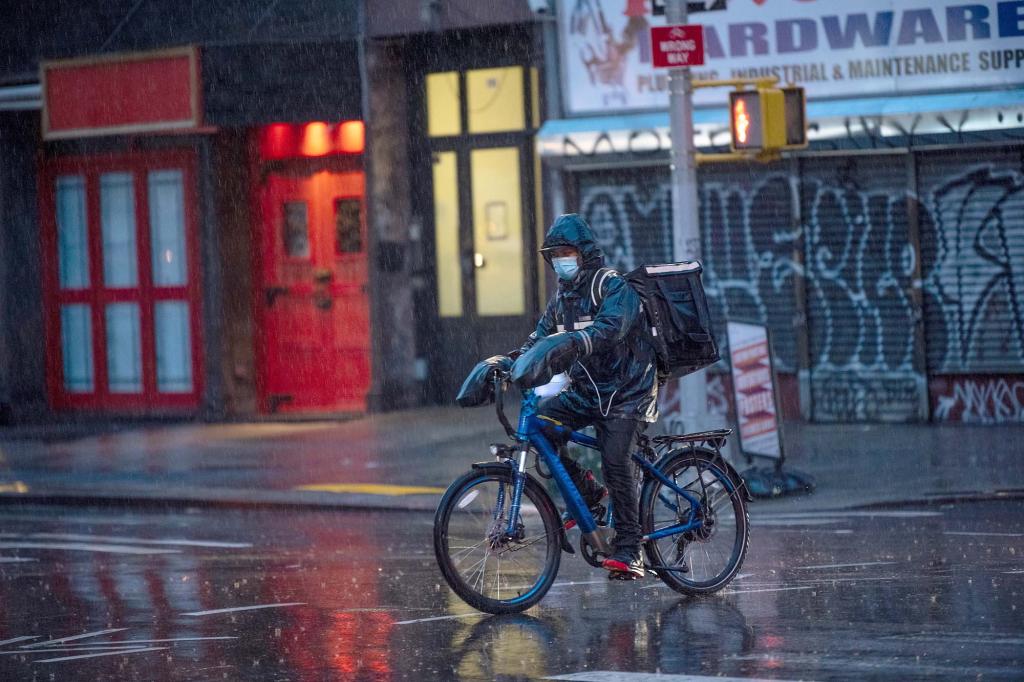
<point x="753" y="385"/>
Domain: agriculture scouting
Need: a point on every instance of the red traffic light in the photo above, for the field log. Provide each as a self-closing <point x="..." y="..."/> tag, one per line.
<point x="745" y="120"/>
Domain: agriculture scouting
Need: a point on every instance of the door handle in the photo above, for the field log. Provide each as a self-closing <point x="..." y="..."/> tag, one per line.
<point x="273" y="292"/>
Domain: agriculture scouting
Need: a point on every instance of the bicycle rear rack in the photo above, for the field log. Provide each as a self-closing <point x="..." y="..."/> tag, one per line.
<point x="714" y="438"/>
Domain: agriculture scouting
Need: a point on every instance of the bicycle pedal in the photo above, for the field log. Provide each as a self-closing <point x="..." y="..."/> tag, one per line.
<point x="624" y="575"/>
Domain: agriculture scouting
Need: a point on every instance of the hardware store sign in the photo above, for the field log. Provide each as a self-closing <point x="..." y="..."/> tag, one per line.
<point x="832" y="48"/>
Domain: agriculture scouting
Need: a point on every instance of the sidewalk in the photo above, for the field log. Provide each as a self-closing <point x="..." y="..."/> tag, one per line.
<point x="404" y="460"/>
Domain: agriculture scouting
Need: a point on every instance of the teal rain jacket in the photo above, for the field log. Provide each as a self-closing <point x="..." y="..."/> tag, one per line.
<point x="616" y="374"/>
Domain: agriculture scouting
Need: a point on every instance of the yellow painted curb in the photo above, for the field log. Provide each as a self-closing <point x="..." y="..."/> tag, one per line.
<point x="371" y="488"/>
<point x="16" y="487"/>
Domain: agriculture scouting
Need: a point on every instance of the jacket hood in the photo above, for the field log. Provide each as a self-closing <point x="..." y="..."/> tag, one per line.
<point x="572" y="230"/>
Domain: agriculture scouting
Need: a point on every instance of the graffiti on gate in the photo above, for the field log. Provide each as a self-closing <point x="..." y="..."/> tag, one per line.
<point x="977" y="280"/>
<point x="633" y="223"/>
<point x="980" y="400"/>
<point x="853" y="251"/>
<point x="860" y="397"/>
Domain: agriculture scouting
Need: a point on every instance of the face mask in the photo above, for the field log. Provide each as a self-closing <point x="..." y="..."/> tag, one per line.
<point x="565" y="268"/>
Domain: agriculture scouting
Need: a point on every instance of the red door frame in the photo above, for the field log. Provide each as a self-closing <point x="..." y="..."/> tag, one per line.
<point x="98" y="296"/>
<point x="259" y="169"/>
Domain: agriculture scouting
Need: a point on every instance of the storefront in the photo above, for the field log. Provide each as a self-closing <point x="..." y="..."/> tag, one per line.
<point x="887" y="257"/>
<point x="128" y="272"/>
<point x="477" y="109"/>
<point x="310" y="207"/>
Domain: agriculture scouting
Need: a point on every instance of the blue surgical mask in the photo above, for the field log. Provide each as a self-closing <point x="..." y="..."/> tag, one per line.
<point x="566" y="268"/>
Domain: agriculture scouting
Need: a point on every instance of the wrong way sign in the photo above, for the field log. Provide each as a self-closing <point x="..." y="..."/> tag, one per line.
<point x="677" y="46"/>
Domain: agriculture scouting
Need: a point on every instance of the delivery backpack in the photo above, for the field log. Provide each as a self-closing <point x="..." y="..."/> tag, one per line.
<point x="678" y="322"/>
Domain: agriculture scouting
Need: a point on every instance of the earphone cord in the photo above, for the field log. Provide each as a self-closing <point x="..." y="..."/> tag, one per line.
<point x="600" y="404"/>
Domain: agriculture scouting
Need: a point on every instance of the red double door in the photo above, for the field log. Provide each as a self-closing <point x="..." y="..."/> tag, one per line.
<point x="312" y="297"/>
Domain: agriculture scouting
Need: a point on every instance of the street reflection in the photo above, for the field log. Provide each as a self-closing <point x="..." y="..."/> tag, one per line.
<point x="357" y="597"/>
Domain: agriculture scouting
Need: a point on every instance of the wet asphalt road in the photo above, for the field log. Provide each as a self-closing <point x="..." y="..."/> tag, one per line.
<point x="912" y="593"/>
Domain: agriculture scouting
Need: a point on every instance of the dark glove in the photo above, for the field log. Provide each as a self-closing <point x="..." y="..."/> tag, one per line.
<point x="549" y="356"/>
<point x="478" y="388"/>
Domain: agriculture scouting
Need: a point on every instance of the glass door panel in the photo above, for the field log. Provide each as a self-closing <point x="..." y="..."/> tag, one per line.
<point x="497" y="231"/>
<point x="72" y="233"/>
<point x="173" y="347"/>
<point x="117" y="214"/>
<point x="167" y="228"/>
<point x="124" y="348"/>
<point x="446" y="225"/>
<point x="76" y="348"/>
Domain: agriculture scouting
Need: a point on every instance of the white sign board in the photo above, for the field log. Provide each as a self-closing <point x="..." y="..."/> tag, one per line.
<point x="832" y="48"/>
<point x="754" y="389"/>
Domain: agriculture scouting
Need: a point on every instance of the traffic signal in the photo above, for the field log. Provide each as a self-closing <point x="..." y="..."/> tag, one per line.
<point x="796" y="117"/>
<point x="757" y="119"/>
<point x="767" y="119"/>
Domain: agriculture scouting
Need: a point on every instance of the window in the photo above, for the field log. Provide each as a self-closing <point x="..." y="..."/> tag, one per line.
<point x="495" y="100"/>
<point x="121" y="293"/>
<point x="295" y="230"/>
<point x="348" y="226"/>
<point x="443" y="104"/>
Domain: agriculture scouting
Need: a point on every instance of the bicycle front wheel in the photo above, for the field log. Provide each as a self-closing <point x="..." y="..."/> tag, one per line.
<point x="703" y="559"/>
<point x="489" y="568"/>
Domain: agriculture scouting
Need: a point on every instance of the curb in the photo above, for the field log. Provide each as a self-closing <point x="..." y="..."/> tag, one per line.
<point x="264" y="500"/>
<point x="416" y="503"/>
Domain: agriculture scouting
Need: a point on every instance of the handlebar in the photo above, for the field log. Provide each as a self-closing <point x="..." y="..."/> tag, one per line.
<point x="500" y="385"/>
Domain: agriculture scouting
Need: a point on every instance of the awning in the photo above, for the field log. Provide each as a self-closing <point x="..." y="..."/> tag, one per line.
<point x="648" y="132"/>
<point x="21" y="97"/>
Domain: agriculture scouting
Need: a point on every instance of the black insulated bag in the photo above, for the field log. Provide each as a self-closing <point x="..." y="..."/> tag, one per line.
<point x="677" y="311"/>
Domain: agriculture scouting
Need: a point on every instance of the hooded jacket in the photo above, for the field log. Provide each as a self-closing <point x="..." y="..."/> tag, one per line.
<point x="616" y="373"/>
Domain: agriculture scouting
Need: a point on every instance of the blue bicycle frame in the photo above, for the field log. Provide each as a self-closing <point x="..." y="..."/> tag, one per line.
<point x="530" y="432"/>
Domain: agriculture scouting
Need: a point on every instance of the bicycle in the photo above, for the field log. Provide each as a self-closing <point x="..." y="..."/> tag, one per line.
<point x="693" y="514"/>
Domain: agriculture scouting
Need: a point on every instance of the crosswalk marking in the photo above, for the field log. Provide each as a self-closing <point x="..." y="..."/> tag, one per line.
<point x="616" y="676"/>
<point x="88" y="547"/>
<point x="120" y="652"/>
<point x="139" y="541"/>
<point x="244" y="608"/>
<point x="371" y="488"/>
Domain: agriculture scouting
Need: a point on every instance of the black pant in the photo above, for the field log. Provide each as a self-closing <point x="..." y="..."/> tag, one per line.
<point x="615" y="437"/>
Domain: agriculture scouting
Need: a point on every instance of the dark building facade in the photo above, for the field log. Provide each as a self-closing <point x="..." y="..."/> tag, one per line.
<point x="238" y="210"/>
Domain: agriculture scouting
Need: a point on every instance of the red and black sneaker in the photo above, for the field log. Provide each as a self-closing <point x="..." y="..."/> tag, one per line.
<point x="624" y="565"/>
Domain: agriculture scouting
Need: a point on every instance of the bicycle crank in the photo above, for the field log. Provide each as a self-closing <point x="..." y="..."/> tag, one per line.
<point x="590" y="549"/>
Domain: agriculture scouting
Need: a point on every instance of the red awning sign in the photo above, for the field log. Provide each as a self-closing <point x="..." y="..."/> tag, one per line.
<point x="126" y="93"/>
<point x="677" y="46"/>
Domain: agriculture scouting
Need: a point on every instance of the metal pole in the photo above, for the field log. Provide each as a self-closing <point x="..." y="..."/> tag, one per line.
<point x="686" y="241"/>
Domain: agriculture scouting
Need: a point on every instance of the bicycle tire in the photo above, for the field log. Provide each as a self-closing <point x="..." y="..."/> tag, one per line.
<point x="669" y="555"/>
<point x="462" y="513"/>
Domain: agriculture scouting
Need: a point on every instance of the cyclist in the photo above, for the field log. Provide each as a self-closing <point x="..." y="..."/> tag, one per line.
<point x="588" y="331"/>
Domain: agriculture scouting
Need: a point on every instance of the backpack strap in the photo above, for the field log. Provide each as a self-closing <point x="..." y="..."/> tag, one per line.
<point x="597" y="286"/>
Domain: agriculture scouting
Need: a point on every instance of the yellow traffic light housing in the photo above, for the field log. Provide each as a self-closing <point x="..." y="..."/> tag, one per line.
<point x="796" y="117"/>
<point x="763" y="119"/>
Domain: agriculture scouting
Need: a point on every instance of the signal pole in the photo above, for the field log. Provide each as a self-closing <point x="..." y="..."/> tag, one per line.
<point x="686" y="242"/>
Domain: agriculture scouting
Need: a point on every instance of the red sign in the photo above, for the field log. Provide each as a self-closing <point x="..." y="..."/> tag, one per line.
<point x="676" y="46"/>
<point x="144" y="92"/>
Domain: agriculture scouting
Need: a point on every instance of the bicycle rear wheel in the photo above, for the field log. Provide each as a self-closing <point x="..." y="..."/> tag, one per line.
<point x="489" y="569"/>
<point x="705" y="559"/>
